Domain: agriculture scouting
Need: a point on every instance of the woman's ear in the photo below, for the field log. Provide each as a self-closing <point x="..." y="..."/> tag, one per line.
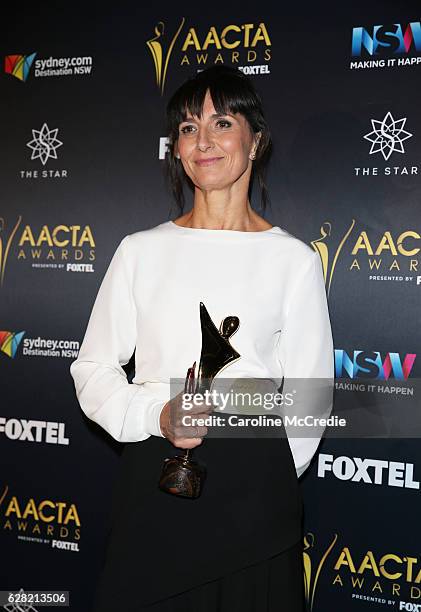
<point x="257" y="137"/>
<point x="176" y="153"/>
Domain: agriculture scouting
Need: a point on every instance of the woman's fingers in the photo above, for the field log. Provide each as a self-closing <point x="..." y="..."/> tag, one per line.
<point x="187" y="442"/>
<point x="187" y="434"/>
<point x="185" y="424"/>
<point x="191" y="431"/>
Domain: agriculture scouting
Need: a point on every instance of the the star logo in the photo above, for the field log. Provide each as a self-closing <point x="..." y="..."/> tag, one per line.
<point x="387" y="136"/>
<point x="44" y="144"/>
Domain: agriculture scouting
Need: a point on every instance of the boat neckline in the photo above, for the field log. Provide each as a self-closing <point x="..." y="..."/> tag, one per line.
<point x="218" y="231"/>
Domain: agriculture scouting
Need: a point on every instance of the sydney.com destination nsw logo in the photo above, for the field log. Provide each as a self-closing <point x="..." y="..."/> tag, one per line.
<point x="20" y="66"/>
<point x="247" y="46"/>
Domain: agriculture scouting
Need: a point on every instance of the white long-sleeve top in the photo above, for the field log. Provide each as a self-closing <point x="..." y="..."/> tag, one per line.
<point x="149" y="301"/>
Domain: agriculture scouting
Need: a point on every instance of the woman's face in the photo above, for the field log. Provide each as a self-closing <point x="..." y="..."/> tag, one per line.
<point x="215" y="150"/>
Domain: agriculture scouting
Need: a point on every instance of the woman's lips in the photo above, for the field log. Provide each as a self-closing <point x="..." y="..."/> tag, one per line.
<point x="208" y="161"/>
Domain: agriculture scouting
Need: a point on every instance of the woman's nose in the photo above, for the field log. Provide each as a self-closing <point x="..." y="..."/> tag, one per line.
<point x="204" y="140"/>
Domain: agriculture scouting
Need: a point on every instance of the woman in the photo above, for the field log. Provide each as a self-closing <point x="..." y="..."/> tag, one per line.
<point x="237" y="546"/>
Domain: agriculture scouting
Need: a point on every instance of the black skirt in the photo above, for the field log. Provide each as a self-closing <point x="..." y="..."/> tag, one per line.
<point x="161" y="546"/>
<point x="273" y="585"/>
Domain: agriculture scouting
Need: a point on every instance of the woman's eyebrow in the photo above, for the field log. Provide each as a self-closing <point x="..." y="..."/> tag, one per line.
<point x="214" y="116"/>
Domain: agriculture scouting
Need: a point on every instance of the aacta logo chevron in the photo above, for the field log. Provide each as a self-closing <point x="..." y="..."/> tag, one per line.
<point x="19" y="65"/>
<point x="9" y="342"/>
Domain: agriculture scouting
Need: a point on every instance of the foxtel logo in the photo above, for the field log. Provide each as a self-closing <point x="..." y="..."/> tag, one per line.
<point x="410" y="607"/>
<point x="368" y="471"/>
<point x="31" y="430"/>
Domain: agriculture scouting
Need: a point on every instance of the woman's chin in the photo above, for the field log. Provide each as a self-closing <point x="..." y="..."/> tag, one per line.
<point x="211" y="185"/>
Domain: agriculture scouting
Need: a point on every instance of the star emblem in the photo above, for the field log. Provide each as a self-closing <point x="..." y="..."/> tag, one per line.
<point x="44" y="144"/>
<point x="387" y="136"/>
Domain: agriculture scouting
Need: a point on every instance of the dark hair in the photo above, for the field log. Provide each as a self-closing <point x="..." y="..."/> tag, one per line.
<point x="231" y="92"/>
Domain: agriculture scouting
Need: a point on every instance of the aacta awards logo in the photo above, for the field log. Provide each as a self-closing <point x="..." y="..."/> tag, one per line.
<point x="62" y="247"/>
<point x="246" y="46"/>
<point x="382" y="577"/>
<point x="387" y="257"/>
<point x="43" y="521"/>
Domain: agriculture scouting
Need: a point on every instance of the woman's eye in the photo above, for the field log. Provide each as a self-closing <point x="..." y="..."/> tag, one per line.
<point x="187" y="129"/>
<point x="223" y="123"/>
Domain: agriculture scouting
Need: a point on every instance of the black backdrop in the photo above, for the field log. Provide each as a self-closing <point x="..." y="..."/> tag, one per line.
<point x="82" y="167"/>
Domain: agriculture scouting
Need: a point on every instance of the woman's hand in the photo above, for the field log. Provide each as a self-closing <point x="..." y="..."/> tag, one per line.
<point x="171" y="422"/>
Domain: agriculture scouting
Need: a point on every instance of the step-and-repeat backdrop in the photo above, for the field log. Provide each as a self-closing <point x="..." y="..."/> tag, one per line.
<point x="83" y="93"/>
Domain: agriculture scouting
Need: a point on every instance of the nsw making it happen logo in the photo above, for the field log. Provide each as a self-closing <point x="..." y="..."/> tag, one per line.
<point x="386" y="46"/>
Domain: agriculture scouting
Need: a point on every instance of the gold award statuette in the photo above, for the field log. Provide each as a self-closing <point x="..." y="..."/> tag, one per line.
<point x="180" y="474"/>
